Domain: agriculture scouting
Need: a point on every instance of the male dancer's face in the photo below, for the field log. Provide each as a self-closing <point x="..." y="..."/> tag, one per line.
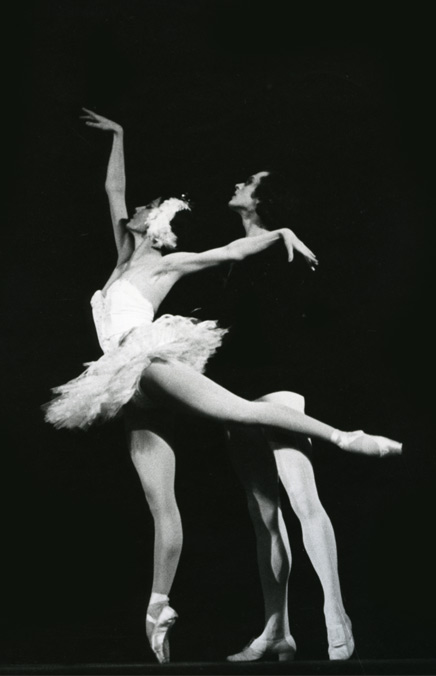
<point x="243" y="198"/>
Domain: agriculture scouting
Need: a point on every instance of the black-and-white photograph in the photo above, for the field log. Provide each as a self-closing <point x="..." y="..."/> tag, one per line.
<point x="219" y="345"/>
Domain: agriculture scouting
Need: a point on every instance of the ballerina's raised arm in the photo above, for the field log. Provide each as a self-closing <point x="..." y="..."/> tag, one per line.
<point x="115" y="184"/>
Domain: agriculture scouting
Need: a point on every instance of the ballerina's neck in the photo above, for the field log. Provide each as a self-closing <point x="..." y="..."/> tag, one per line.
<point x="144" y="245"/>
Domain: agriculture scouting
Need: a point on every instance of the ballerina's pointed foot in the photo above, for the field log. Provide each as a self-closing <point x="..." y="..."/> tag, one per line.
<point x="260" y="648"/>
<point x="341" y="641"/>
<point x="368" y="444"/>
<point x="160" y="619"/>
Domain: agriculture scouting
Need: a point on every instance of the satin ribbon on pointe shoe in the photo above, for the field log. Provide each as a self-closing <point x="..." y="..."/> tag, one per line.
<point x="283" y="649"/>
<point x="158" y="638"/>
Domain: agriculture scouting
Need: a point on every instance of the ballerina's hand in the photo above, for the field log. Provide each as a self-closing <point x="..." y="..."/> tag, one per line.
<point x="293" y="243"/>
<point x="99" y="122"/>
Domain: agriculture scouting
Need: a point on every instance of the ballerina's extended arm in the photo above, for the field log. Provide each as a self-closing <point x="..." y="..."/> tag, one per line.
<point x="188" y="263"/>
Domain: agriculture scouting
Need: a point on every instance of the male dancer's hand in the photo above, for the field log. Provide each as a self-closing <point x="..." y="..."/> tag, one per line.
<point x="293" y="243"/>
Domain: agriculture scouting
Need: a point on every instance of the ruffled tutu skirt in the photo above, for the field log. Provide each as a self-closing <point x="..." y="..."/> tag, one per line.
<point x="100" y="392"/>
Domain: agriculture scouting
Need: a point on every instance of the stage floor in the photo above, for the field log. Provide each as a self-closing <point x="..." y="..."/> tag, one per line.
<point x="424" y="667"/>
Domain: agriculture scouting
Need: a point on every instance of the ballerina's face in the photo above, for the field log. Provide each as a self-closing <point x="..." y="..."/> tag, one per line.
<point x="243" y="197"/>
<point x="138" y="222"/>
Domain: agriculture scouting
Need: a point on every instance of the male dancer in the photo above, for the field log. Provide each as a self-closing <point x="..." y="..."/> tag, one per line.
<point x="264" y="202"/>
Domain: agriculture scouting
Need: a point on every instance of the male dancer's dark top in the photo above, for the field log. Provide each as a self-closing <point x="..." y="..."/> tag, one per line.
<point x="264" y="302"/>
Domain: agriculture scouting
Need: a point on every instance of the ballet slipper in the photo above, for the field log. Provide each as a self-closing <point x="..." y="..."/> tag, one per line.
<point x="341" y="641"/>
<point x="260" y="648"/>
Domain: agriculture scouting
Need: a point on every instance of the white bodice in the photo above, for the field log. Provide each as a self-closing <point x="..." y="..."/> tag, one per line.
<point x="120" y="310"/>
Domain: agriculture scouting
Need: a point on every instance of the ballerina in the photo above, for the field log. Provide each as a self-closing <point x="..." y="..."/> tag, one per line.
<point x="151" y="366"/>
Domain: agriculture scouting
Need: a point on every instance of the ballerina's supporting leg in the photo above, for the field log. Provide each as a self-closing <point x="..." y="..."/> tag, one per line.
<point x="154" y="461"/>
<point x="256" y="468"/>
<point x="174" y="384"/>
<point x="296" y="473"/>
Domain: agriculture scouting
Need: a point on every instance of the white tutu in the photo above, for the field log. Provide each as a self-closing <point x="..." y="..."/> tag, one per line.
<point x="107" y="384"/>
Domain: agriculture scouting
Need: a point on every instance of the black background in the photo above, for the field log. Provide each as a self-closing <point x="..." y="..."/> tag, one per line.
<point x="209" y="92"/>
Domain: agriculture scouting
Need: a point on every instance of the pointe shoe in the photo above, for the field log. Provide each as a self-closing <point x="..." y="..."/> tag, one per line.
<point x="158" y="625"/>
<point x="283" y="649"/>
<point x="368" y="444"/>
<point x="341" y="641"/>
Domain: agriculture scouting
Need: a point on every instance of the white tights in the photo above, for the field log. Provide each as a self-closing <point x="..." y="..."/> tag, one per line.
<point x="259" y="475"/>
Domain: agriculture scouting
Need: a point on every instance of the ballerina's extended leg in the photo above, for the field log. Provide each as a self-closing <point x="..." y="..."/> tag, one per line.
<point x="174" y="384"/>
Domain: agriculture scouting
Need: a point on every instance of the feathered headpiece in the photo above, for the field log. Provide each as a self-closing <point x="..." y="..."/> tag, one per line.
<point x="159" y="222"/>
